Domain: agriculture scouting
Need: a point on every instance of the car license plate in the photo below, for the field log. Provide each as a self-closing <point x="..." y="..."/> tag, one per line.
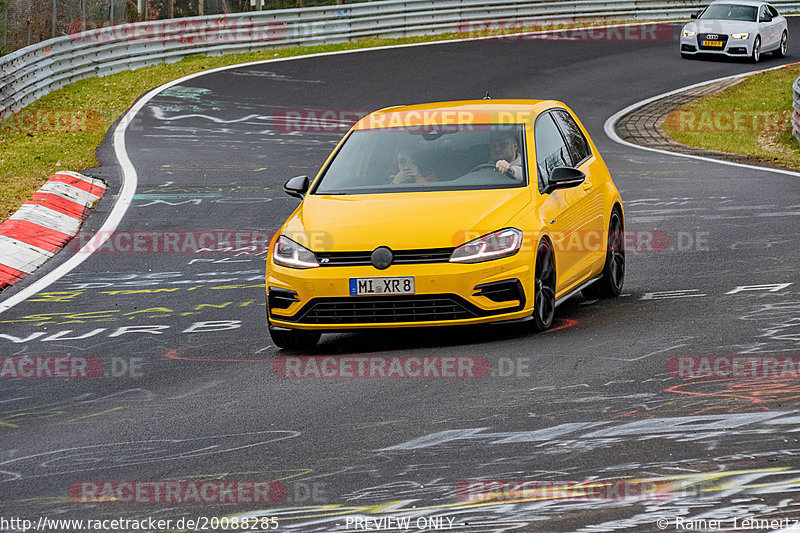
<point x="715" y="44"/>
<point x="363" y="286"/>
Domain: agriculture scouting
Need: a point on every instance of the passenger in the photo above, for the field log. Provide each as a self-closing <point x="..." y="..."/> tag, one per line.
<point x="408" y="170"/>
<point x="504" y="153"/>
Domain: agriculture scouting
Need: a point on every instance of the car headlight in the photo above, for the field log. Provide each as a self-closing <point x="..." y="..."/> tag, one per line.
<point x="290" y="254"/>
<point x="740" y="35"/>
<point x="689" y="33"/>
<point x="501" y="243"/>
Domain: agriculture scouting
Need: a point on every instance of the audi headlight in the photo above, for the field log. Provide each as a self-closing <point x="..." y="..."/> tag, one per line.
<point x="689" y="33"/>
<point x="495" y="245"/>
<point x="740" y="35"/>
<point x="290" y="254"/>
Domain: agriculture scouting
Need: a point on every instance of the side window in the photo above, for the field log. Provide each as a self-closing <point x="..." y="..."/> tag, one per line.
<point x="551" y="150"/>
<point x="773" y="11"/>
<point x="764" y="15"/>
<point x="578" y="146"/>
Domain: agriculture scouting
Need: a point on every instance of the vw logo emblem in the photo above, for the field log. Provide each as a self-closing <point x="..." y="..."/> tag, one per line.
<point x="382" y="257"/>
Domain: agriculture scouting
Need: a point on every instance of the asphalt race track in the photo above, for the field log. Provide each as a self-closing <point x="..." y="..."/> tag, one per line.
<point x="192" y="394"/>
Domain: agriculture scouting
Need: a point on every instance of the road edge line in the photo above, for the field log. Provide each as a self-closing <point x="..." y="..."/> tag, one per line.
<point x="610" y="125"/>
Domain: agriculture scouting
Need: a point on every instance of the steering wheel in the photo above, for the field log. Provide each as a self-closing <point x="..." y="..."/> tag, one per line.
<point x="492" y="166"/>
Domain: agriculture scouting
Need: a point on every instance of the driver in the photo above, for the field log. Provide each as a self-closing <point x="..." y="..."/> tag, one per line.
<point x="504" y="153"/>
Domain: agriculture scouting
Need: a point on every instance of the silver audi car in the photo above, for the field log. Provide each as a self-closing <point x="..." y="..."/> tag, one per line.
<point x="736" y="28"/>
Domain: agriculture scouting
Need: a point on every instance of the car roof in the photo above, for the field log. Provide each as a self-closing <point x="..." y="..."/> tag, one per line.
<point x="457" y="112"/>
<point x="740" y="2"/>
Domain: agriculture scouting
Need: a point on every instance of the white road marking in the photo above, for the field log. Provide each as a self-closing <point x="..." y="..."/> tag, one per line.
<point x="611" y="123"/>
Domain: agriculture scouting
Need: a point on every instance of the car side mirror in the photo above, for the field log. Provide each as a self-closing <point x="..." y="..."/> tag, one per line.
<point x="693" y="15"/>
<point x="297" y="186"/>
<point x="564" y="178"/>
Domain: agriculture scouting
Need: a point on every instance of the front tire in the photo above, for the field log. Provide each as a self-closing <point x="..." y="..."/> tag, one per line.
<point x="294" y="339"/>
<point x="755" y="57"/>
<point x="781" y="51"/>
<point x="544" y="287"/>
<point x="610" y="283"/>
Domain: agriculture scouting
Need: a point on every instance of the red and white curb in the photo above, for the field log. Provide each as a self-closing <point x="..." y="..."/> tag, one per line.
<point x="45" y="223"/>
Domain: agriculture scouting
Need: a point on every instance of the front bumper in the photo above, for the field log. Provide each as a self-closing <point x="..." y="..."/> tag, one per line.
<point x="446" y="294"/>
<point x="732" y="47"/>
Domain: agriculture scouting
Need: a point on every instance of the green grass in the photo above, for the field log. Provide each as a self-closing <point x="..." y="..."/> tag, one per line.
<point x="32" y="149"/>
<point x="751" y="118"/>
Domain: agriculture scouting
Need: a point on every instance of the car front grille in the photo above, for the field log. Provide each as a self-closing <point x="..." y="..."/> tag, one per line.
<point x="401" y="257"/>
<point x="387" y="309"/>
<point x="704" y="37"/>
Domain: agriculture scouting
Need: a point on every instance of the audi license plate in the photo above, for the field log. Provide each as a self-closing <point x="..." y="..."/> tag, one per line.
<point x="362" y="286"/>
<point x="715" y="44"/>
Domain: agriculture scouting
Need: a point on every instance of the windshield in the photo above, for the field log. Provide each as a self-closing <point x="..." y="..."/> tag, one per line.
<point x="730" y="12"/>
<point x="429" y="158"/>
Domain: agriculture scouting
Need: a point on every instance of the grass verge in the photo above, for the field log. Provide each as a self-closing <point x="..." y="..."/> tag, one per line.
<point x="62" y="130"/>
<point x="752" y="118"/>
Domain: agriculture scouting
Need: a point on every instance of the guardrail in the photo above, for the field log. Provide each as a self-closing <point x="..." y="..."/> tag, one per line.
<point x="32" y="72"/>
<point x="796" y="109"/>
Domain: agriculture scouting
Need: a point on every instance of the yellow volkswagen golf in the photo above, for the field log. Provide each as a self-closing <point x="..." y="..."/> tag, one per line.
<point x="446" y="214"/>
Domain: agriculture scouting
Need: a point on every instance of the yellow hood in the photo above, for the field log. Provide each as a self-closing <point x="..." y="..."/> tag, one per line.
<point x="402" y="221"/>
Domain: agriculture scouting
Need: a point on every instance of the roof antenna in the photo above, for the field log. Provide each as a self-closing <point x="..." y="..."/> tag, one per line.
<point x="487" y="97"/>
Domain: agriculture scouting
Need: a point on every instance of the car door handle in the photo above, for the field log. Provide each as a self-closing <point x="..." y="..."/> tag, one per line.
<point x="587" y="185"/>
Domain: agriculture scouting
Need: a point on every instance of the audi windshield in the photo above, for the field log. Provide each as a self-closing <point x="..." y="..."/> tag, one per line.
<point x="730" y="12"/>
